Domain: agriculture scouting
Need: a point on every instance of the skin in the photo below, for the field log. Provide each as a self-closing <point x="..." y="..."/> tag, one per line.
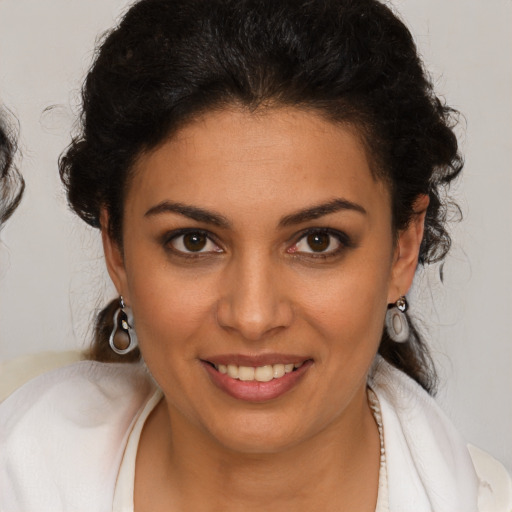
<point x="258" y="288"/>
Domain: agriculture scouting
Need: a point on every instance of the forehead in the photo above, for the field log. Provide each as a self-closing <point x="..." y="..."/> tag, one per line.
<point x="231" y="159"/>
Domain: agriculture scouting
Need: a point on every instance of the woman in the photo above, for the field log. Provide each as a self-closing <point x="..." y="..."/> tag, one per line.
<point x="266" y="176"/>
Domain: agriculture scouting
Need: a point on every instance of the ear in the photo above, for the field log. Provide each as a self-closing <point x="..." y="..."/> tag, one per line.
<point x="407" y="251"/>
<point x="113" y="257"/>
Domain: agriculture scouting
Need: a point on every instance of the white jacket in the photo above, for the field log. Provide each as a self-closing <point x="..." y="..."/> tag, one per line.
<point x="62" y="438"/>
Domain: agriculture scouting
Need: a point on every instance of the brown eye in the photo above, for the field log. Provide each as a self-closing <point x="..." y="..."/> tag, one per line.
<point x="194" y="242"/>
<point x="319" y="242"/>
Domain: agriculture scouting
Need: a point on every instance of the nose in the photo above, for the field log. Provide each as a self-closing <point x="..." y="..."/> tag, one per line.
<point x="253" y="302"/>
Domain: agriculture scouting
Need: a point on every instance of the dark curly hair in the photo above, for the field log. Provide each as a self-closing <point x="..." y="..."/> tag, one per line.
<point x="12" y="184"/>
<point x="351" y="61"/>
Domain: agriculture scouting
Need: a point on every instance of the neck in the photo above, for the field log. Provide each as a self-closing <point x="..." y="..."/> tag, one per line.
<point x="337" y="469"/>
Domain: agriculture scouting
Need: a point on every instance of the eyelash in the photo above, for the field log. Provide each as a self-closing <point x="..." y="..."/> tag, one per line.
<point x="342" y="238"/>
<point x="174" y="235"/>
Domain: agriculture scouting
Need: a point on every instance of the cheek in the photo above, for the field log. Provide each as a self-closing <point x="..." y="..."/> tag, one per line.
<point x="348" y="306"/>
<point x="170" y="309"/>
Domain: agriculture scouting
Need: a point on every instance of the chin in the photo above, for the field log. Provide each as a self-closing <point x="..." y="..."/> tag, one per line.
<point x="258" y="438"/>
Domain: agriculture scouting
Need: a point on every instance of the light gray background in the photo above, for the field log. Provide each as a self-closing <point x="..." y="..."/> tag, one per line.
<point x="51" y="270"/>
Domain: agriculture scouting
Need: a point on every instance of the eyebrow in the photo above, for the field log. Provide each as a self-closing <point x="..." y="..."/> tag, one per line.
<point x="315" y="212"/>
<point x="192" y="212"/>
<point x="208" y="217"/>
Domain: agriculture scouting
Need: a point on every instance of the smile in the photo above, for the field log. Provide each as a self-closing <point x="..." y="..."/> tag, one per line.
<point x="256" y="379"/>
<point x="260" y="373"/>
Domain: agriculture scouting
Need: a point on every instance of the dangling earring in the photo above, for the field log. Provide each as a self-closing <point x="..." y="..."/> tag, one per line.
<point x="396" y="321"/>
<point x="123" y="334"/>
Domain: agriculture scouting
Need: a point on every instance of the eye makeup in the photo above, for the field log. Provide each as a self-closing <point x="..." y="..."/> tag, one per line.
<point x="320" y="243"/>
<point x="190" y="243"/>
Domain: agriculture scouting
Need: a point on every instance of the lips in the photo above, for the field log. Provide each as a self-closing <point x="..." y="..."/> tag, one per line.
<point x="256" y="379"/>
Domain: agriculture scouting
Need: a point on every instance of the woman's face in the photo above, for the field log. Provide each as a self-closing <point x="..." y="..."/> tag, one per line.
<point x="260" y="241"/>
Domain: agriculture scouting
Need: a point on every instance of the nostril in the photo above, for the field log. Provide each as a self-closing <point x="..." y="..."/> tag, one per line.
<point x="253" y="303"/>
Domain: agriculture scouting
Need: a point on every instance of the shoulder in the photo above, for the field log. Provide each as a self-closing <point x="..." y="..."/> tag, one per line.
<point x="495" y="482"/>
<point x="86" y="387"/>
<point x="428" y="460"/>
<point x="64" y="432"/>
<point x="18" y="371"/>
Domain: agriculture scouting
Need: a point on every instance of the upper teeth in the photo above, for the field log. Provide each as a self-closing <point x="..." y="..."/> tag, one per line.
<point x="260" y="373"/>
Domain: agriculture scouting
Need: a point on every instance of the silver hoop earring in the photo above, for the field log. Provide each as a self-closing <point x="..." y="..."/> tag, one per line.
<point x="123" y="334"/>
<point x="397" y="325"/>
